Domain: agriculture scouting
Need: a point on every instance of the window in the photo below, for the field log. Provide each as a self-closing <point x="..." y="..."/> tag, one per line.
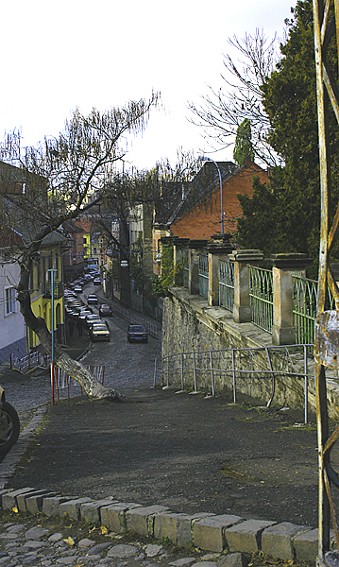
<point x="10" y="300"/>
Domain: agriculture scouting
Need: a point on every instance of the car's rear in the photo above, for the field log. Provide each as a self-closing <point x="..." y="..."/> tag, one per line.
<point x="137" y="334"/>
<point x="100" y="332"/>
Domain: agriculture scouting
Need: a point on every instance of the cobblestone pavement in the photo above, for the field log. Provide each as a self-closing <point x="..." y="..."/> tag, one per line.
<point x="41" y="541"/>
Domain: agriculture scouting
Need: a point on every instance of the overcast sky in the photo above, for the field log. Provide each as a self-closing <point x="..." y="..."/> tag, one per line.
<point x="57" y="56"/>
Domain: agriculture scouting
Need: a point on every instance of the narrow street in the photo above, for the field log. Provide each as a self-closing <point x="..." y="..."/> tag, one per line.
<point x="127" y="365"/>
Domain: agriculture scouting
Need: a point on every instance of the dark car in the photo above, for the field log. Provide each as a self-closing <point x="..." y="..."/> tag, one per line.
<point x="105" y="310"/>
<point x="9" y="424"/>
<point x="137" y="334"/>
<point x="92" y="299"/>
<point x="99" y="332"/>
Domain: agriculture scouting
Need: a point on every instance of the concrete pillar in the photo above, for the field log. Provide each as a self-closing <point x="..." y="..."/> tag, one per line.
<point x="284" y="265"/>
<point x="242" y="259"/>
<point x="195" y="249"/>
<point x="216" y="252"/>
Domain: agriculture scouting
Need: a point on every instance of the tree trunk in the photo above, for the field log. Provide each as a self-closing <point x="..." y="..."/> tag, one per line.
<point x="73" y="368"/>
<point x="92" y="387"/>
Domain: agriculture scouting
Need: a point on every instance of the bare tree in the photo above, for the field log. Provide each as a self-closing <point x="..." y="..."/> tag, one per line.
<point x="240" y="98"/>
<point x="63" y="173"/>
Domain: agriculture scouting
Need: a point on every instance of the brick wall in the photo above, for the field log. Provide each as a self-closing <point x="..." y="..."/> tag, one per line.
<point x="204" y="220"/>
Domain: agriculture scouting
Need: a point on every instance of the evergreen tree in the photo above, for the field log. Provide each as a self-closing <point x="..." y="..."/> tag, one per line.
<point x="290" y="102"/>
<point x="243" y="148"/>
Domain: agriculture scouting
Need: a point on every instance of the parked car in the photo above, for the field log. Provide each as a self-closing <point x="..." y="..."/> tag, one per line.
<point x="137" y="333"/>
<point x="97" y="281"/>
<point x="90" y="319"/>
<point x="83" y="313"/>
<point x="92" y="299"/>
<point x="9" y="424"/>
<point x="105" y="310"/>
<point x="99" y="332"/>
<point x="78" y="288"/>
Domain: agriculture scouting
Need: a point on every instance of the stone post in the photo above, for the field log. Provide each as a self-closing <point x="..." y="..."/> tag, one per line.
<point x="216" y="252"/>
<point x="284" y="265"/>
<point x="242" y="259"/>
<point x="194" y="251"/>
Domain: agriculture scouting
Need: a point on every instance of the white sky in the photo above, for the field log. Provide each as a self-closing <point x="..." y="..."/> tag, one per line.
<point x="57" y="56"/>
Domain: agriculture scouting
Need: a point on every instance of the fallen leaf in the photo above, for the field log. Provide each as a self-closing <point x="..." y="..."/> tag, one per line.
<point x="15" y="510"/>
<point x="103" y="530"/>
<point x="69" y="540"/>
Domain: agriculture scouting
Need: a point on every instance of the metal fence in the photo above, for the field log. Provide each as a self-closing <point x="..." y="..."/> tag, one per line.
<point x="204" y="370"/>
<point x="63" y="386"/>
<point x="26" y="363"/>
<point x="261" y="297"/>
<point x="305" y="292"/>
<point x="203" y="275"/>
<point x="226" y="284"/>
<point x="185" y="270"/>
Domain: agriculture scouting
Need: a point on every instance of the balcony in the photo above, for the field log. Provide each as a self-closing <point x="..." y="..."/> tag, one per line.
<point x="58" y="290"/>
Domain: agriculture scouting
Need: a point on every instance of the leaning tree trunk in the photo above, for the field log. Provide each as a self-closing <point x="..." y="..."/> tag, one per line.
<point x="92" y="386"/>
<point x="73" y="368"/>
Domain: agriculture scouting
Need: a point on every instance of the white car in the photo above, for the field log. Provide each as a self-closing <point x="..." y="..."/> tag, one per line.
<point x="99" y="332"/>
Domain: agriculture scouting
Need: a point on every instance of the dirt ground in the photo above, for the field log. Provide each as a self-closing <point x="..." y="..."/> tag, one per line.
<point x="184" y="451"/>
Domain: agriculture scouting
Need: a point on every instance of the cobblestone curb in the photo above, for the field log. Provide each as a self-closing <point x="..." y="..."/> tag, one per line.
<point x="209" y="532"/>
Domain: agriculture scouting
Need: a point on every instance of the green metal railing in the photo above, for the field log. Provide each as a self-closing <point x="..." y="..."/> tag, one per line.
<point x="305" y="292"/>
<point x="226" y="284"/>
<point x="261" y="297"/>
<point x="304" y="308"/>
<point x="185" y="268"/>
<point x="203" y="275"/>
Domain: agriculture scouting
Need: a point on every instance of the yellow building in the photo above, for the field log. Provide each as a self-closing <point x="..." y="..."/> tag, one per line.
<point x="48" y="259"/>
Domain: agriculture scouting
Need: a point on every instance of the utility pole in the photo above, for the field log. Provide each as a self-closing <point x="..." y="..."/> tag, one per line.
<point x="326" y="347"/>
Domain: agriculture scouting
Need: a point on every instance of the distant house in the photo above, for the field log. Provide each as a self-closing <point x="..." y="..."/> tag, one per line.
<point x="193" y="210"/>
<point x="17" y="187"/>
<point x="13" y="339"/>
<point x="199" y="217"/>
<point x="73" y="257"/>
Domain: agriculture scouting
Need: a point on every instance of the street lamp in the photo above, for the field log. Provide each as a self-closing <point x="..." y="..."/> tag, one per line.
<point x="206" y="158"/>
<point x="52" y="272"/>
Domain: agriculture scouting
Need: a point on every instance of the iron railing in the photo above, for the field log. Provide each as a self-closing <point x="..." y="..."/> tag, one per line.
<point x="203" y="275"/>
<point x="204" y="370"/>
<point x="305" y="293"/>
<point x="261" y="297"/>
<point x="226" y="284"/>
<point x="185" y="268"/>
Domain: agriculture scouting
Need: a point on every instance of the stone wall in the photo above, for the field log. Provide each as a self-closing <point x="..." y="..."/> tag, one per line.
<point x="191" y="325"/>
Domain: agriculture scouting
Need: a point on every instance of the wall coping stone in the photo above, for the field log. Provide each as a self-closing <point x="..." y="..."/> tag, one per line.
<point x="247" y="255"/>
<point x="293" y="260"/>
